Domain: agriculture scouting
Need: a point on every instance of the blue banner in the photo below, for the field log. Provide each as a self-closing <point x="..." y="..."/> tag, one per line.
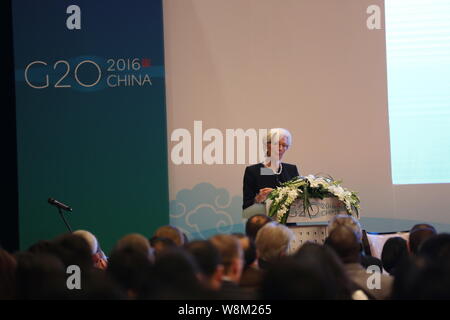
<point x="91" y="117"/>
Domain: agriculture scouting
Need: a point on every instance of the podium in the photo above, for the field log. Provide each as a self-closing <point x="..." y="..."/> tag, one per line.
<point x="310" y="225"/>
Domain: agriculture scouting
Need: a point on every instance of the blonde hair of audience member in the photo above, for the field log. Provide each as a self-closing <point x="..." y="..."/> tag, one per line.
<point x="99" y="258"/>
<point x="172" y="233"/>
<point x="137" y="242"/>
<point x="90" y="238"/>
<point x="273" y="241"/>
<point x="348" y="221"/>
<point x="232" y="255"/>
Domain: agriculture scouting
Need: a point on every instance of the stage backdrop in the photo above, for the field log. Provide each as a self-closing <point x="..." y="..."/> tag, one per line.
<point x="317" y="68"/>
<point x="91" y="118"/>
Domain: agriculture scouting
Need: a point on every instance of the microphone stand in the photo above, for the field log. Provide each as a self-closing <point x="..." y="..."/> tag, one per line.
<point x="64" y="219"/>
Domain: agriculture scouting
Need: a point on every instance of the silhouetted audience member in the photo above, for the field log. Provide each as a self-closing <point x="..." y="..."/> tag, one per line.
<point x="160" y="244"/>
<point x="273" y="241"/>
<point x="394" y="251"/>
<point x="433" y="282"/>
<point x="232" y="257"/>
<point x="40" y="277"/>
<point x="209" y="261"/>
<point x="422" y="279"/>
<point x="7" y="276"/>
<point x="406" y="272"/>
<point x="72" y="249"/>
<point x="131" y="269"/>
<point x="136" y="242"/>
<point x="252" y="275"/>
<point x="418" y="234"/>
<point x="323" y="258"/>
<point x="352" y="223"/>
<point x="232" y="267"/>
<point x="289" y="279"/>
<point x="42" y="246"/>
<point x="436" y="248"/>
<point x="345" y="243"/>
<point x="255" y="223"/>
<point x="96" y="285"/>
<point x="171" y="232"/>
<point x="176" y="277"/>
<point x="99" y="258"/>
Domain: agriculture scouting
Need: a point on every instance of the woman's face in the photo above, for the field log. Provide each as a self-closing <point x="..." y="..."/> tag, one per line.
<point x="283" y="145"/>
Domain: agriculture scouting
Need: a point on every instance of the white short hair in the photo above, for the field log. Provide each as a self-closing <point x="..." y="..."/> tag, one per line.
<point x="273" y="240"/>
<point x="90" y="239"/>
<point x="280" y="132"/>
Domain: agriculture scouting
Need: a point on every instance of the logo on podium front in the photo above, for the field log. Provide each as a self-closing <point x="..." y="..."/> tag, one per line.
<point x="321" y="210"/>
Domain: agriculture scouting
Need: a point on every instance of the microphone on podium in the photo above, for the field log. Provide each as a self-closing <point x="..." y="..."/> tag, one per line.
<point x="58" y="204"/>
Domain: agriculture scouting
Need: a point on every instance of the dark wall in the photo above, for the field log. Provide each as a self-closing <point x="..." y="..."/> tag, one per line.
<point x="9" y="233"/>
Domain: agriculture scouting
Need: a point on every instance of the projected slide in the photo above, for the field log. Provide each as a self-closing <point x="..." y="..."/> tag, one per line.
<point x="418" y="68"/>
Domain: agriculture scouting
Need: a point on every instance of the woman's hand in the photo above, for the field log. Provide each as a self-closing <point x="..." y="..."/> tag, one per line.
<point x="262" y="195"/>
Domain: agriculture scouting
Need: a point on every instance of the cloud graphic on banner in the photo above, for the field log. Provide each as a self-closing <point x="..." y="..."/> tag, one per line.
<point x="206" y="210"/>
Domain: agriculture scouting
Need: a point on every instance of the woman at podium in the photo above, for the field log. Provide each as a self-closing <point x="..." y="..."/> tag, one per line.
<point x="260" y="179"/>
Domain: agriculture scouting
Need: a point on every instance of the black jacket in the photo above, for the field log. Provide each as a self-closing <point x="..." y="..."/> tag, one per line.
<point x="254" y="180"/>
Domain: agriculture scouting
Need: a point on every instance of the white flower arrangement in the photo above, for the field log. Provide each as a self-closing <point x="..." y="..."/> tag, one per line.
<point x="306" y="188"/>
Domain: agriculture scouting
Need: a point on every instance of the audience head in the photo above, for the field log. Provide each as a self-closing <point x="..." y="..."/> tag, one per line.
<point x="323" y="258"/>
<point x="42" y="246"/>
<point x="176" y="276"/>
<point x="171" y="232"/>
<point x="418" y="234"/>
<point x="344" y="241"/>
<point x="73" y="250"/>
<point x="348" y="221"/>
<point x="289" y="279"/>
<point x="433" y="282"/>
<point x="394" y="251"/>
<point x="255" y="223"/>
<point x="209" y="262"/>
<point x="137" y="242"/>
<point x="131" y="269"/>
<point x="198" y="269"/>
<point x="90" y="239"/>
<point x="40" y="276"/>
<point x="273" y="241"/>
<point x="436" y="248"/>
<point x="160" y="244"/>
<point x="231" y="254"/>
<point x="422" y="279"/>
